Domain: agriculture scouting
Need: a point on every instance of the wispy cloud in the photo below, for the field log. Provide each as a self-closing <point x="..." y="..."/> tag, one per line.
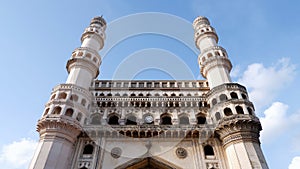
<point x="17" y="154"/>
<point x="264" y="83"/>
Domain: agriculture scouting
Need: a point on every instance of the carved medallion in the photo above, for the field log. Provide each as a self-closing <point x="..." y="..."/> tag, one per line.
<point x="116" y="152"/>
<point x="181" y="152"/>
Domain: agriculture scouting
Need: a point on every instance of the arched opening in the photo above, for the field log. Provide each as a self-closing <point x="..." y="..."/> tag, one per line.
<point x="227" y="111"/>
<point x="166" y="119"/>
<point x="141" y="95"/>
<point x="218" y="116"/>
<point x="74" y="97"/>
<point x="223" y="97"/>
<point x="239" y="110"/>
<point x="83" y="102"/>
<point x="209" y="55"/>
<point x="250" y="111"/>
<point x="117" y="94"/>
<point x="56" y="110"/>
<point x="101" y="94"/>
<point x="95" y="60"/>
<point x="214" y="101"/>
<point x="109" y="94"/>
<point x="132" y="95"/>
<point x="244" y="96"/>
<point x="208" y="150"/>
<point x="62" y="95"/>
<point x="113" y="120"/>
<point x="88" y="149"/>
<point x="165" y="94"/>
<point x="79" y="117"/>
<point x="173" y="94"/>
<point x="96" y="119"/>
<point x="201" y="119"/>
<point x="46" y="111"/>
<point x="184" y="120"/>
<point x="53" y="96"/>
<point x="233" y="95"/>
<point x="69" y="112"/>
<point x="131" y="120"/>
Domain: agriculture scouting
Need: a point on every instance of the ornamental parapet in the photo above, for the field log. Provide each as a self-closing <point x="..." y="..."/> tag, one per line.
<point x="146" y="131"/>
<point x="174" y="85"/>
<point x="226" y="86"/>
<point x="72" y="87"/>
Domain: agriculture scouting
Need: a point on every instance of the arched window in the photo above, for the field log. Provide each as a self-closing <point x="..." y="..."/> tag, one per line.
<point x="109" y="94"/>
<point x="227" y="111"/>
<point x="131" y="120"/>
<point x="156" y="94"/>
<point x="223" y="97"/>
<point x="214" y="101"/>
<point x="148" y="94"/>
<point x="46" y="111"/>
<point x="217" y="53"/>
<point x="173" y="94"/>
<point x="88" y="149"/>
<point x="95" y="60"/>
<point x="62" y="95"/>
<point x="113" y="120"/>
<point x="132" y="95"/>
<point x="184" y="120"/>
<point x="53" y="96"/>
<point x="244" y="96"/>
<point x="83" y="102"/>
<point x="74" y="97"/>
<point x="208" y="150"/>
<point x="69" y="112"/>
<point x="125" y="94"/>
<point x="239" y="110"/>
<point x="201" y="119"/>
<point x="96" y="119"/>
<point x="88" y="55"/>
<point x="117" y="94"/>
<point x="57" y="110"/>
<point x="250" y="111"/>
<point x="141" y="95"/>
<point x="165" y="94"/>
<point x="233" y="95"/>
<point x="209" y="55"/>
<point x="218" y="116"/>
<point x="166" y="120"/>
<point x="101" y="94"/>
<point x="79" y="116"/>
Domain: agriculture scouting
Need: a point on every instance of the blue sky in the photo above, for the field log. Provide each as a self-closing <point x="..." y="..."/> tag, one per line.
<point x="261" y="38"/>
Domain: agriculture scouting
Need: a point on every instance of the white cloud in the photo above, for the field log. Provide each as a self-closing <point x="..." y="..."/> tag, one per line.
<point x="274" y="122"/>
<point x="265" y="82"/>
<point x="295" y="164"/>
<point x="18" y="154"/>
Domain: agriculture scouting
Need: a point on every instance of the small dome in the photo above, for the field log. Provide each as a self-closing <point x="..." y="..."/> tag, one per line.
<point x="200" y="20"/>
<point x="98" y="20"/>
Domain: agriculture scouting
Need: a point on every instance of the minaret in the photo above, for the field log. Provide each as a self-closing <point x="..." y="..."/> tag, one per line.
<point x="237" y="127"/>
<point x="69" y="103"/>
<point x="213" y="60"/>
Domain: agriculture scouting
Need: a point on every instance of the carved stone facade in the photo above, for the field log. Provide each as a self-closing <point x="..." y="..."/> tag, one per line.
<point x="166" y="124"/>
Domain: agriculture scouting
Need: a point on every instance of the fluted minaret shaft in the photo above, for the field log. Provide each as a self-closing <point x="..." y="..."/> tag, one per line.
<point x="213" y="60"/>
